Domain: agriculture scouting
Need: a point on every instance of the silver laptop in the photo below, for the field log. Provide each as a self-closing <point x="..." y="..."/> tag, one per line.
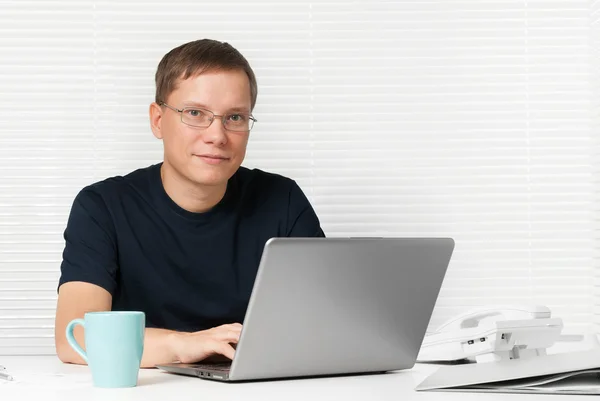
<point x="334" y="306"/>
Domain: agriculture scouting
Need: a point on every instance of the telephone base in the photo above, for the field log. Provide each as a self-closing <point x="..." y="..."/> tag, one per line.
<point x="493" y="341"/>
<point x="518" y="352"/>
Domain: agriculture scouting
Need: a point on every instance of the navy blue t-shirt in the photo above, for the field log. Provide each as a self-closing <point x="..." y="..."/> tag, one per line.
<point x="187" y="271"/>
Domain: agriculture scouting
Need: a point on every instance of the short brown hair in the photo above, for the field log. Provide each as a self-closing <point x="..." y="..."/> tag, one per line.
<point x="196" y="57"/>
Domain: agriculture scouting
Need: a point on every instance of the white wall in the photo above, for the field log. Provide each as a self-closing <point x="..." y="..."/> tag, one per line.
<point x="471" y="119"/>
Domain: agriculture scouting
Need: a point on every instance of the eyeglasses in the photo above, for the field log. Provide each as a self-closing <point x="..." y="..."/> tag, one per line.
<point x="202" y="118"/>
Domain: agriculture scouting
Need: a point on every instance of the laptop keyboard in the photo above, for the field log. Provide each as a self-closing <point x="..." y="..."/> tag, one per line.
<point x="220" y="367"/>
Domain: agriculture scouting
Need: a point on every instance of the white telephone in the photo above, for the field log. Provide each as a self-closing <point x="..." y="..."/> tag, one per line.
<point x="493" y="333"/>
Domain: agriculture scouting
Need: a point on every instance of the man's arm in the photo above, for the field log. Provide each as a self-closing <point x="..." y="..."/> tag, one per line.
<point x="74" y="300"/>
<point x="160" y="346"/>
<point x="89" y="278"/>
<point x="77" y="298"/>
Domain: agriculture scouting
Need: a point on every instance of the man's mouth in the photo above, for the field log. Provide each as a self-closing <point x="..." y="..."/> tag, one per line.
<point x="212" y="159"/>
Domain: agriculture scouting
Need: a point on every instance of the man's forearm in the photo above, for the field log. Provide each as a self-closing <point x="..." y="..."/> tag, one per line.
<point x="158" y="347"/>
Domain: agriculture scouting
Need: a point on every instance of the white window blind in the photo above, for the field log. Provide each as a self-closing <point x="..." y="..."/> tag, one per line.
<point x="471" y="119"/>
<point x="595" y="116"/>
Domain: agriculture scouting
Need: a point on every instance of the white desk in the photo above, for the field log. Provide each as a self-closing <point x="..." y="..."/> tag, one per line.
<point x="46" y="379"/>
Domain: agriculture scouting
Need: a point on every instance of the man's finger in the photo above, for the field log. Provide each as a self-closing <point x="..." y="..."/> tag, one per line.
<point x="226" y="350"/>
<point x="229" y="336"/>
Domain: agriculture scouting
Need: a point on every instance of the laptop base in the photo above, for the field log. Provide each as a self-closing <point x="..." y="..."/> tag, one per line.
<point x="194" y="370"/>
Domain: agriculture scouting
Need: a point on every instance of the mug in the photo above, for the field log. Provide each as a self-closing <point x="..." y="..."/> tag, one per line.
<point x="114" y="343"/>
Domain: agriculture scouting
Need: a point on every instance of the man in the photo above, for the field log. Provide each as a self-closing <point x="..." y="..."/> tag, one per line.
<point x="181" y="240"/>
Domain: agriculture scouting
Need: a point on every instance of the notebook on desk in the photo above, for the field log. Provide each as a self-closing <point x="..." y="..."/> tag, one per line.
<point x="565" y="373"/>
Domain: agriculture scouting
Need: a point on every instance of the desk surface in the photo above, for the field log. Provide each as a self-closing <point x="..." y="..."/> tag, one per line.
<point x="46" y="378"/>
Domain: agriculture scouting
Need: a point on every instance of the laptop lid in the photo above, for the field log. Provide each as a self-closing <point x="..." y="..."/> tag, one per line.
<point x="328" y="306"/>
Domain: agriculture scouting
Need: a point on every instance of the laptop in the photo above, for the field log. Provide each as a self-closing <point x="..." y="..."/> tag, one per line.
<point x="334" y="306"/>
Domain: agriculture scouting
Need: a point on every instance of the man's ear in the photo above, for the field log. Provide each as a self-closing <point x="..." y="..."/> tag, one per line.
<point x="156" y="120"/>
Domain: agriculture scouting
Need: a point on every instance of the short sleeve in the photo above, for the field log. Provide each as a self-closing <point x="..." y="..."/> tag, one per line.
<point x="90" y="253"/>
<point x="302" y="219"/>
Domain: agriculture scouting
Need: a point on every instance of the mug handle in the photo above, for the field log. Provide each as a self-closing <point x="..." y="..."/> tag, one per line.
<point x="71" y="339"/>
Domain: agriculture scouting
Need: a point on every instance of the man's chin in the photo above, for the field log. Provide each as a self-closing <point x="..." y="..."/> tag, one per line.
<point x="210" y="179"/>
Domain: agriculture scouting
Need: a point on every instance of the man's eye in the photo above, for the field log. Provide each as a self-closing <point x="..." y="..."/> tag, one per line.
<point x="237" y="118"/>
<point x="194" y="113"/>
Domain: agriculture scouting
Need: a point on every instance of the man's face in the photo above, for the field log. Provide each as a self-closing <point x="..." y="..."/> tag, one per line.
<point x="206" y="156"/>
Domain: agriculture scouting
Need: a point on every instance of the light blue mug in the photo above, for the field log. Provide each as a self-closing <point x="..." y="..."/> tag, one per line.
<point x="114" y="344"/>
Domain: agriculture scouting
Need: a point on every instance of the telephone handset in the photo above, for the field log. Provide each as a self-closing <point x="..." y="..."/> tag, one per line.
<point x="492" y="333"/>
<point x="474" y="317"/>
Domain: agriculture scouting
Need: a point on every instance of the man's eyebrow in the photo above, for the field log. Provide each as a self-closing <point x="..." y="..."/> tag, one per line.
<point x="238" y="109"/>
<point x="194" y="104"/>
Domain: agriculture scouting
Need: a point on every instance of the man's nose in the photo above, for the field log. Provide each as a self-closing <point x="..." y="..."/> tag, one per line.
<point x="215" y="133"/>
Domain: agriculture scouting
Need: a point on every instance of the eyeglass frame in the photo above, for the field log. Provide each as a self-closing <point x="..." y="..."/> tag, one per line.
<point x="222" y="117"/>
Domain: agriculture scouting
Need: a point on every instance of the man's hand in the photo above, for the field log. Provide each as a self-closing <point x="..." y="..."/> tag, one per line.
<point x="194" y="347"/>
